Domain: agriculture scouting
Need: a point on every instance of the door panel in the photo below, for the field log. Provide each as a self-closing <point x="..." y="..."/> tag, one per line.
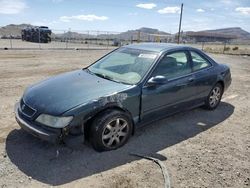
<point x="205" y="76"/>
<point x="204" y="81"/>
<point x="159" y="100"/>
<point x="167" y="98"/>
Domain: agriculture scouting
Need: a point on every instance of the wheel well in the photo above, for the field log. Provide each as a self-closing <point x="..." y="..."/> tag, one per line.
<point x="221" y="83"/>
<point x="88" y="123"/>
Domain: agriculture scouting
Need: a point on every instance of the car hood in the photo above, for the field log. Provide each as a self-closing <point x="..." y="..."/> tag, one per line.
<point x="58" y="94"/>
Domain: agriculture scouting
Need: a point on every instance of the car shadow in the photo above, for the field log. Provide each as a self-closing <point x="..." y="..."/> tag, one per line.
<point x="57" y="164"/>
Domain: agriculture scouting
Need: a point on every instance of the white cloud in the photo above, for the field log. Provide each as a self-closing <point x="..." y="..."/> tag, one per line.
<point x="146" y="5"/>
<point x="230" y="3"/>
<point x="227" y="2"/>
<point x="243" y="10"/>
<point x="169" y="10"/>
<point x="133" y="14"/>
<point x="57" y="1"/>
<point x="12" y="7"/>
<point x="44" y="22"/>
<point x="200" y="10"/>
<point x="89" y="17"/>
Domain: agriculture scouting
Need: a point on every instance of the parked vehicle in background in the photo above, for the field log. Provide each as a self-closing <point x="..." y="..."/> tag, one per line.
<point x="40" y="34"/>
<point x="129" y="87"/>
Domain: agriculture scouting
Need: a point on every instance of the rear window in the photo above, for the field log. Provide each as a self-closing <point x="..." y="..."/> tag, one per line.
<point x="198" y="61"/>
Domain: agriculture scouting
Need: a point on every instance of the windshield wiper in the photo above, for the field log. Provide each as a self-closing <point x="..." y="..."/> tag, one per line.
<point x="104" y="76"/>
<point x="107" y="77"/>
<point x="87" y="69"/>
<point x="100" y="74"/>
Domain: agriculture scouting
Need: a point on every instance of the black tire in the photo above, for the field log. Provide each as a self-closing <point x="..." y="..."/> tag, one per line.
<point x="110" y="126"/>
<point x="213" y="100"/>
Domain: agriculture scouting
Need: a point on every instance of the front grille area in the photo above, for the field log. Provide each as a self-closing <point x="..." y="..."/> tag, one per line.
<point x="26" y="110"/>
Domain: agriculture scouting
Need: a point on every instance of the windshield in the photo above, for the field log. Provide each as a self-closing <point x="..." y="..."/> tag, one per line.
<point x="124" y="65"/>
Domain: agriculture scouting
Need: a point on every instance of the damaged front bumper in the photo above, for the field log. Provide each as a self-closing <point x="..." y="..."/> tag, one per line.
<point x="52" y="135"/>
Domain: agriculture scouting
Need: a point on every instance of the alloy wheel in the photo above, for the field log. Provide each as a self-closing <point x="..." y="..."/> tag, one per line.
<point x="215" y="96"/>
<point x="115" y="132"/>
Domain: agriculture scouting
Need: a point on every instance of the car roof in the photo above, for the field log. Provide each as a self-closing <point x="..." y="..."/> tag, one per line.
<point x="157" y="47"/>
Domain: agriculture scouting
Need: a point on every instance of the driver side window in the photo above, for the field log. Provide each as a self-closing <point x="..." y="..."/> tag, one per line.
<point x="173" y="65"/>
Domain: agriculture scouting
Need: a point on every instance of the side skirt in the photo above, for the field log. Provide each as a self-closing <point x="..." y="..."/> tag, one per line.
<point x="146" y="123"/>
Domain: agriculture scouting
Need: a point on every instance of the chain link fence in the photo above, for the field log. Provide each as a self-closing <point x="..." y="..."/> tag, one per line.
<point x="76" y="39"/>
<point x="98" y="40"/>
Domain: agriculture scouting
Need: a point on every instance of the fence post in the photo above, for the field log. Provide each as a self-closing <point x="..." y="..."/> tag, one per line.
<point x="88" y="41"/>
<point x="224" y="48"/>
<point x="96" y="37"/>
<point x="39" y="38"/>
<point x="65" y="39"/>
<point x="138" y="36"/>
<point x="11" y="41"/>
<point x="108" y="40"/>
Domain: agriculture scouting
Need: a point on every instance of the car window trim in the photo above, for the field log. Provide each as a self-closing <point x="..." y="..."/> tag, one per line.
<point x="192" y="73"/>
<point x="162" y="56"/>
<point x="191" y="59"/>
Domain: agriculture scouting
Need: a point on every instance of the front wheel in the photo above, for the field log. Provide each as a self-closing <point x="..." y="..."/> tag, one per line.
<point x="110" y="130"/>
<point x="214" y="97"/>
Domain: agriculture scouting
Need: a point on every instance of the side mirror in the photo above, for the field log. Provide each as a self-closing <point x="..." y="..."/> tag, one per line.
<point x="157" y="80"/>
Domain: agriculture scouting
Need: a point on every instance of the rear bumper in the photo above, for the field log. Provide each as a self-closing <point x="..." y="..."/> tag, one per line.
<point x="53" y="136"/>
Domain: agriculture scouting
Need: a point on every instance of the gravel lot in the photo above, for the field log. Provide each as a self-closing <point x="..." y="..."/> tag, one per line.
<point x="200" y="148"/>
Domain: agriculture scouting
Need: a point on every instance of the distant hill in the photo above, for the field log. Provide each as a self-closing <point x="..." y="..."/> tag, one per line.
<point x="237" y="31"/>
<point x="12" y="29"/>
<point x="71" y="34"/>
<point x="145" y="33"/>
<point x="152" y="31"/>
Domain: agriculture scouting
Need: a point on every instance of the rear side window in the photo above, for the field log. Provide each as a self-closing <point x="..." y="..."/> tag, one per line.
<point x="198" y="61"/>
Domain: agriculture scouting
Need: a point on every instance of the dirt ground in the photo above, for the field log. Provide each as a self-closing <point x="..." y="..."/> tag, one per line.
<point x="200" y="148"/>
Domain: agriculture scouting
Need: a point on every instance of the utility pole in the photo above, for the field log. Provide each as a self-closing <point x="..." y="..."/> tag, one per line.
<point x="179" y="33"/>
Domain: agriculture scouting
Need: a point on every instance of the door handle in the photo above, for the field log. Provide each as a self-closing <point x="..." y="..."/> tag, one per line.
<point x="191" y="79"/>
<point x="183" y="84"/>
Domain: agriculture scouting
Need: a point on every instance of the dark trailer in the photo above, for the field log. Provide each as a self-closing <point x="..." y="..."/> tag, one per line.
<point x="40" y="34"/>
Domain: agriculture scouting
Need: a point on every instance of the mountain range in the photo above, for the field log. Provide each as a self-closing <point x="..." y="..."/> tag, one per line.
<point x="145" y="33"/>
<point x="236" y="31"/>
<point x="13" y="29"/>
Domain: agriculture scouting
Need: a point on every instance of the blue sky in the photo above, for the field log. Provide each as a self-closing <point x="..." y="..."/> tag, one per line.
<point x="114" y="15"/>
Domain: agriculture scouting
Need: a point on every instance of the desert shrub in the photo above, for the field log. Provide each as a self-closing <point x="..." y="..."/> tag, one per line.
<point x="235" y="48"/>
<point x="208" y="49"/>
<point x="227" y="48"/>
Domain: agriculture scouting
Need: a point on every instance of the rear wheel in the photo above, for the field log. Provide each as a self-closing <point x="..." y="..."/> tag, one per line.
<point x="110" y="130"/>
<point x="214" y="97"/>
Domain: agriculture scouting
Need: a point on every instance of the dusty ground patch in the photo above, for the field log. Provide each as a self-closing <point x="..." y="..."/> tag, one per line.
<point x="200" y="148"/>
